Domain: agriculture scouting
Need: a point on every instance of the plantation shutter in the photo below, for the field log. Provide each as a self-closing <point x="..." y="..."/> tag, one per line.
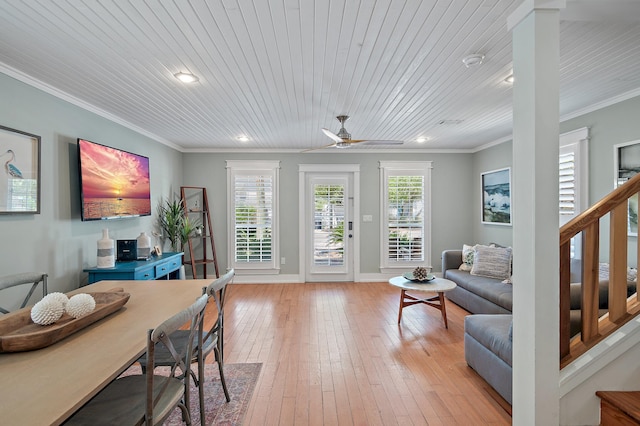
<point x="567" y="184"/>
<point x="253" y="199"/>
<point x="573" y="183"/>
<point x="405" y="195"/>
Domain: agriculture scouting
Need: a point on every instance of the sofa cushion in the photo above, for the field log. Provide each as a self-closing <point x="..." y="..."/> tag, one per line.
<point x="490" y="289"/>
<point x="492" y="262"/>
<point x="492" y="331"/>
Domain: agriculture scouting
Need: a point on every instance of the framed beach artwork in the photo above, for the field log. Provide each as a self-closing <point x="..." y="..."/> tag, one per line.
<point x="496" y="197"/>
<point x="627" y="165"/>
<point x="20" y="177"/>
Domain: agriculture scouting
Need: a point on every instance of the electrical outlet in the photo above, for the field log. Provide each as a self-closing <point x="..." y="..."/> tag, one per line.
<point x="367" y="218"/>
<point x="283" y="260"/>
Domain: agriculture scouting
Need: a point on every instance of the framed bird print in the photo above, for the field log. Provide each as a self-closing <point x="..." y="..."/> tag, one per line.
<point x="20" y="175"/>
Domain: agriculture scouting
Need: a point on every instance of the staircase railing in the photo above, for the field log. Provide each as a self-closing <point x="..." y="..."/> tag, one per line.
<point x="621" y="308"/>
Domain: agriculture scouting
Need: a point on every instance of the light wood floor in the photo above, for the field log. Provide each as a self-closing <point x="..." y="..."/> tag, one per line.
<point x="333" y="354"/>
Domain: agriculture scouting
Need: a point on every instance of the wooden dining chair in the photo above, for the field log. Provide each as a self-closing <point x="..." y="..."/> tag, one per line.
<point x="149" y="398"/>
<point x="33" y="278"/>
<point x="212" y="341"/>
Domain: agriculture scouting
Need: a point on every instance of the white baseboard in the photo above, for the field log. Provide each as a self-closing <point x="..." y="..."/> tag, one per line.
<point x="295" y="278"/>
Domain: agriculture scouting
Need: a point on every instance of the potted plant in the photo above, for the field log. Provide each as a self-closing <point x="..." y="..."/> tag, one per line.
<point x="174" y="223"/>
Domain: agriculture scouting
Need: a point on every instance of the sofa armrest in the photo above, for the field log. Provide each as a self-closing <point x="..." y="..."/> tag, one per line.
<point x="451" y="259"/>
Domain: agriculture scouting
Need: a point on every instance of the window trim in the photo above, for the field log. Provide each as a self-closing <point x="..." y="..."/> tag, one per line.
<point x="252" y="167"/>
<point x="577" y="142"/>
<point x="408" y="168"/>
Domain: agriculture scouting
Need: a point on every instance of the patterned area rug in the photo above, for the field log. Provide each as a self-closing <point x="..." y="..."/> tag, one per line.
<point x="241" y="381"/>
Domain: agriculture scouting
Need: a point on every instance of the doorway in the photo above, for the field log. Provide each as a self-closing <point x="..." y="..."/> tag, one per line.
<point x="328" y="232"/>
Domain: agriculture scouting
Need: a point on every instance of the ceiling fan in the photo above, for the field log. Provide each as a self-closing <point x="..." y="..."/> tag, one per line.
<point x="343" y="138"/>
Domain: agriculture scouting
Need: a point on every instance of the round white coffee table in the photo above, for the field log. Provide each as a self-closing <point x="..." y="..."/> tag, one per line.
<point x="437" y="285"/>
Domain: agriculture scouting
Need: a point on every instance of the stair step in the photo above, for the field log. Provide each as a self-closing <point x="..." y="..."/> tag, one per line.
<point x="619" y="407"/>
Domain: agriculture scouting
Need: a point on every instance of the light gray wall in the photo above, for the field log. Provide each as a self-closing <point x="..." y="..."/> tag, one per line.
<point x="56" y="241"/>
<point x="451" y="221"/>
<point x="608" y="126"/>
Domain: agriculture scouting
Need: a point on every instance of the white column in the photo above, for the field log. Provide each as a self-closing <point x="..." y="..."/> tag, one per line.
<point x="535" y="27"/>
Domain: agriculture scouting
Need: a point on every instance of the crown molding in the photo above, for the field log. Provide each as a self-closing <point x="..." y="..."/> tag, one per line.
<point x="33" y="82"/>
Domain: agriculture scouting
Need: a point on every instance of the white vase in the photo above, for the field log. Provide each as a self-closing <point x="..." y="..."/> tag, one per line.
<point x="106" y="255"/>
<point x="144" y="246"/>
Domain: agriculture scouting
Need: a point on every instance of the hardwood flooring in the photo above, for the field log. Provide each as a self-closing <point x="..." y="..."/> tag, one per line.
<point x="333" y="354"/>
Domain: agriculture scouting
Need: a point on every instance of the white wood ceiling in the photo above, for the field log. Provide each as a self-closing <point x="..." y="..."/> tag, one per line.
<point x="278" y="71"/>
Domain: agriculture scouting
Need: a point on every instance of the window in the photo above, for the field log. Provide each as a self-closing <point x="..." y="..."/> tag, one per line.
<point x="252" y="192"/>
<point x="573" y="187"/>
<point x="406" y="214"/>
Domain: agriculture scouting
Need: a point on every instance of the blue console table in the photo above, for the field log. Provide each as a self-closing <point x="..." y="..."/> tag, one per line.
<point x="156" y="267"/>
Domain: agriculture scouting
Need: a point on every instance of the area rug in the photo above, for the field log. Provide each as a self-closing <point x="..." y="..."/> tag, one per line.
<point x="241" y="381"/>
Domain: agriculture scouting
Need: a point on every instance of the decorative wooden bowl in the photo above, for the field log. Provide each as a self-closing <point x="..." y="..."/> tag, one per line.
<point x="19" y="333"/>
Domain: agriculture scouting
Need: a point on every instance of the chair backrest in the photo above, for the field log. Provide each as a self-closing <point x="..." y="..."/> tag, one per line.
<point x="33" y="278"/>
<point x="193" y="315"/>
<point x="218" y="291"/>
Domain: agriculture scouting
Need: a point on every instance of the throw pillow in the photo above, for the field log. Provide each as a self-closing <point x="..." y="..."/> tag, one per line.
<point x="467" y="257"/>
<point x="492" y="262"/>
<point x="603" y="273"/>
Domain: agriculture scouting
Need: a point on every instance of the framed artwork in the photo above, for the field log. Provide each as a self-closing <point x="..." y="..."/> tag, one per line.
<point x="20" y="180"/>
<point x="496" y="197"/>
<point x="627" y="164"/>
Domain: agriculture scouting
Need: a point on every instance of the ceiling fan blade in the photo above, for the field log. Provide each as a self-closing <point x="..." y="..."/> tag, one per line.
<point x="372" y="142"/>
<point x="382" y="142"/>
<point x="332" y="135"/>
<point x="320" y="147"/>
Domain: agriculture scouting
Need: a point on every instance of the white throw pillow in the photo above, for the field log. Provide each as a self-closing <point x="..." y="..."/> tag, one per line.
<point x="492" y="262"/>
<point x="467" y="257"/>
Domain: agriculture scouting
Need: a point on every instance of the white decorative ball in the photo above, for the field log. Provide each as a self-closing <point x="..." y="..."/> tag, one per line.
<point x="80" y="305"/>
<point x="61" y="297"/>
<point x="47" y="311"/>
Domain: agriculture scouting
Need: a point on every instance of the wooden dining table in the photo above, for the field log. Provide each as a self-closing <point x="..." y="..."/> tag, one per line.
<point x="45" y="386"/>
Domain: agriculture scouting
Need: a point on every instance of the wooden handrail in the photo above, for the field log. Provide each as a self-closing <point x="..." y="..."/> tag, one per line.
<point x="621" y="309"/>
<point x="594" y="213"/>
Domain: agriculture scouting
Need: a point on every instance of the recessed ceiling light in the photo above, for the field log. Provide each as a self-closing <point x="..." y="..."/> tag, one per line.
<point x="242" y="138"/>
<point x="473" y="60"/>
<point x="186" y="77"/>
<point x="422" y="139"/>
<point x="509" y="79"/>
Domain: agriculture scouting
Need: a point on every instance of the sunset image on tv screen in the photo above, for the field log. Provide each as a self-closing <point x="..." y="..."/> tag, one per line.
<point x="115" y="183"/>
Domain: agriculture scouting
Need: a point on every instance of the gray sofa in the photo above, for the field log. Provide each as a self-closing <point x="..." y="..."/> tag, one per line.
<point x="476" y="294"/>
<point x="488" y="350"/>
<point x="482" y="295"/>
<point x="487" y="334"/>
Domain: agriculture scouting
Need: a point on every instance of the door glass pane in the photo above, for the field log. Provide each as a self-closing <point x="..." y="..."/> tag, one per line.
<point x="328" y="233"/>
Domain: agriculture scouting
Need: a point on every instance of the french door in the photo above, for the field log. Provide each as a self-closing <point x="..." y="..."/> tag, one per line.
<point x="329" y="232"/>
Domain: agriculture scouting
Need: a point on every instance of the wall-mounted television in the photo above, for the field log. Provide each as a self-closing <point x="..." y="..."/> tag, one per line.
<point x="114" y="183"/>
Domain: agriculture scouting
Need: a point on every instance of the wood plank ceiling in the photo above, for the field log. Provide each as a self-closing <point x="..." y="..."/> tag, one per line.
<point x="279" y="71"/>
